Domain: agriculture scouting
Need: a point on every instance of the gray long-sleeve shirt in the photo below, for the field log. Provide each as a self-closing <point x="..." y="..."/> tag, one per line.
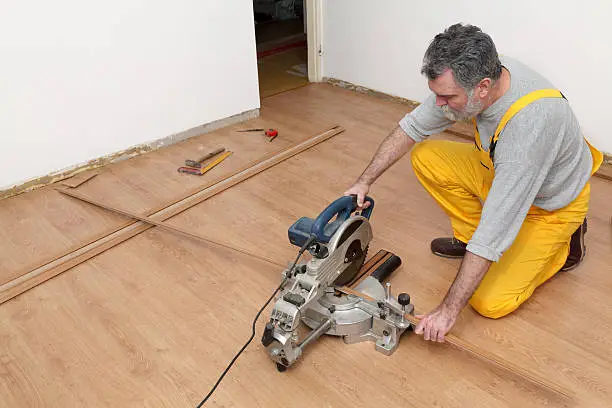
<point x="540" y="159"/>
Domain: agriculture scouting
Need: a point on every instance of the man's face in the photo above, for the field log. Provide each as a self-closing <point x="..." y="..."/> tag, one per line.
<point x="455" y="102"/>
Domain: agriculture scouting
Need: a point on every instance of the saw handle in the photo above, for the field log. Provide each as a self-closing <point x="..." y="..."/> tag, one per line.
<point x="343" y="208"/>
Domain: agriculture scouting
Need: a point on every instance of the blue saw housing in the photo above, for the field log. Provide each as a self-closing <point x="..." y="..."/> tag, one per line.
<point x="321" y="227"/>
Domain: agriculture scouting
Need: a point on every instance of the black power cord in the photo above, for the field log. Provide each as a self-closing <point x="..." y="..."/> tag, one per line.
<point x="287" y="276"/>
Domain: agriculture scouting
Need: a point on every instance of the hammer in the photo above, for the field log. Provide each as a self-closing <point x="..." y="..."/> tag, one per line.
<point x="198" y="163"/>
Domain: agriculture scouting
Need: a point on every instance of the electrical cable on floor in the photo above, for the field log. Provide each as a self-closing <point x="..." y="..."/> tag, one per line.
<point x="287" y="275"/>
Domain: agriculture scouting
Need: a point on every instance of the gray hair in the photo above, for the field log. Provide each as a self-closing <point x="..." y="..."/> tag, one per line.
<point x="468" y="52"/>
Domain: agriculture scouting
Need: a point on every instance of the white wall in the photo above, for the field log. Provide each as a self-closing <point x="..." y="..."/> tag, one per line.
<point x="82" y="79"/>
<point x="380" y="45"/>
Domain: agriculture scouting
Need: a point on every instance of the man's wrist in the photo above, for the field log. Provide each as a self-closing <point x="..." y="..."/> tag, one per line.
<point x="364" y="180"/>
<point x="452" y="307"/>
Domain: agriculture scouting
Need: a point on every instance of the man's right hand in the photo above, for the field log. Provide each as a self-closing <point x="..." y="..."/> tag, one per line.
<point x="360" y="190"/>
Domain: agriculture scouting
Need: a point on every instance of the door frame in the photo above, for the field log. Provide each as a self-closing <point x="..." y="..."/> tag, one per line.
<point x="313" y="10"/>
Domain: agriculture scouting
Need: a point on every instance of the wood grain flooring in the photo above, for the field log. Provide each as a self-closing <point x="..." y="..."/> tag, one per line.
<point x="153" y="321"/>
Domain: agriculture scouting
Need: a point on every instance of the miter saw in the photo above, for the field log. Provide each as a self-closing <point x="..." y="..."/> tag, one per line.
<point x="318" y="292"/>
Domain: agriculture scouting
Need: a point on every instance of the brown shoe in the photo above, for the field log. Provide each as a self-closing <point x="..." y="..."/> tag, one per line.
<point x="577" y="248"/>
<point x="448" y="247"/>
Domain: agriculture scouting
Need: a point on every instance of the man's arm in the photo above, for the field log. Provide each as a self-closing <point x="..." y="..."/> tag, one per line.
<point x="471" y="272"/>
<point x="436" y="324"/>
<point x="396" y="145"/>
<point x="425" y="120"/>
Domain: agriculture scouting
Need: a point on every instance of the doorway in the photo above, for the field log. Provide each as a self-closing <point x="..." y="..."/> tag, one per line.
<point x="282" y="51"/>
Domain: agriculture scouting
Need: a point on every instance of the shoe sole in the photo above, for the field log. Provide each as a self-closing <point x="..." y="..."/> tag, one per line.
<point x="447" y="256"/>
<point x="577" y="264"/>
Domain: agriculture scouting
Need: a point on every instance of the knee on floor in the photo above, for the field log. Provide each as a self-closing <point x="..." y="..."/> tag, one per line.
<point x="493" y="306"/>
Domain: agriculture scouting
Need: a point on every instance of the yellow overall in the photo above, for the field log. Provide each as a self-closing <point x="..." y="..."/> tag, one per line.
<point x="459" y="176"/>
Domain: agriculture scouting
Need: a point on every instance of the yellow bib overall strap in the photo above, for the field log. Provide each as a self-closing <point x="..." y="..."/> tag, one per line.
<point x="514" y="109"/>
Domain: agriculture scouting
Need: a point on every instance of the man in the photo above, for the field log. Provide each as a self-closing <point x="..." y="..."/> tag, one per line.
<point x="517" y="198"/>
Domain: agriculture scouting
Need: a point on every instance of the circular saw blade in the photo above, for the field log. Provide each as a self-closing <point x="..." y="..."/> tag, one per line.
<point x="354" y="258"/>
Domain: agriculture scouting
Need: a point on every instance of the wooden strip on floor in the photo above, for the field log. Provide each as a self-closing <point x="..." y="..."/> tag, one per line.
<point x="43" y="226"/>
<point x="40" y="225"/>
<point x="484" y="355"/>
<point x="33" y="278"/>
<point x="80" y="178"/>
<point x="163" y="225"/>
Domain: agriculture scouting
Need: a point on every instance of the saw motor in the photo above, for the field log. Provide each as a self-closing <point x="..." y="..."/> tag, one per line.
<point x="338" y="241"/>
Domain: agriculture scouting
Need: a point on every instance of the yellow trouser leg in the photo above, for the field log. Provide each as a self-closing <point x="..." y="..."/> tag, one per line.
<point x="451" y="173"/>
<point x="539" y="251"/>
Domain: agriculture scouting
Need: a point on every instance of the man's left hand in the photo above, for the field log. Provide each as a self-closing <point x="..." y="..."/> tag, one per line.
<point x="437" y="323"/>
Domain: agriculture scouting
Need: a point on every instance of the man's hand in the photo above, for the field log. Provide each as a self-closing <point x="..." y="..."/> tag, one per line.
<point x="359" y="189"/>
<point x="437" y="323"/>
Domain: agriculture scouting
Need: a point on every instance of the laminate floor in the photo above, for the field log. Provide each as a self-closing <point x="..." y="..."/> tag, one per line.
<point x="154" y="321"/>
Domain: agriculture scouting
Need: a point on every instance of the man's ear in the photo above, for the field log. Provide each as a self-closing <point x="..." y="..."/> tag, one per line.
<point x="484" y="87"/>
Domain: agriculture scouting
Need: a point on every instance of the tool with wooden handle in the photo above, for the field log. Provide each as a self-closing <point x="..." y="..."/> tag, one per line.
<point x="203" y="170"/>
<point x="198" y="163"/>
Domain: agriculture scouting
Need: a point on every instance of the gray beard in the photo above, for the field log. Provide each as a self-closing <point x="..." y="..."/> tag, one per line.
<point x="450" y="114"/>
<point x="470" y="111"/>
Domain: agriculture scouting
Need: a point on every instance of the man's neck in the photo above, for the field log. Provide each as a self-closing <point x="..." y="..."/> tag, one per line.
<point x="499" y="89"/>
